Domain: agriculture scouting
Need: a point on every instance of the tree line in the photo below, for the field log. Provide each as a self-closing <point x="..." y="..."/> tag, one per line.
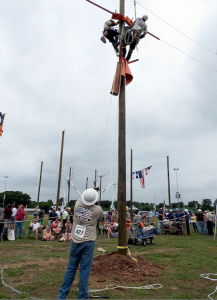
<point x="19" y="197"/>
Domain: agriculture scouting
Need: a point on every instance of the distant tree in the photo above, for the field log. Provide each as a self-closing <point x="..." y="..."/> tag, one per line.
<point x="215" y="202"/>
<point x="206" y="204"/>
<point x="193" y="203"/>
<point x="16" y="197"/>
<point x="50" y="202"/>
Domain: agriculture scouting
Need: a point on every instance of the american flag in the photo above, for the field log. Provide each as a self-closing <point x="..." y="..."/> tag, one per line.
<point x="84" y="213"/>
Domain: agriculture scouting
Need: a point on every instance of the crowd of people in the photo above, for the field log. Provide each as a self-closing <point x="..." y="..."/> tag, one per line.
<point x="12" y="218"/>
<point x="205" y="221"/>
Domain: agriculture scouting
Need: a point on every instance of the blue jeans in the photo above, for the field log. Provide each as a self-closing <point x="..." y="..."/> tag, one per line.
<point x="202" y="227"/>
<point x="17" y="225"/>
<point x="160" y="226"/>
<point x="79" y="253"/>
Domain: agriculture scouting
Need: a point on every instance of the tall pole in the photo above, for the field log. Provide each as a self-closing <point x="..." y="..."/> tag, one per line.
<point x="69" y="185"/>
<point x="95" y="178"/>
<point x="60" y="170"/>
<point x="6" y="177"/>
<point x="122" y="242"/>
<point x="131" y="185"/>
<point x="177" y="193"/>
<point x="87" y="183"/>
<point x="100" y="195"/>
<point x="39" y="187"/>
<point x="168" y="178"/>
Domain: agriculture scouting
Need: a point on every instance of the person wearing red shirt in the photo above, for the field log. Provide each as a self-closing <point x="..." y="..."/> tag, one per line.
<point x="7" y="216"/>
<point x="20" y="216"/>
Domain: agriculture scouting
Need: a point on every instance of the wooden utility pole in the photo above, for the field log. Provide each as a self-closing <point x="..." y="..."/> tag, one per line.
<point x="87" y="183"/>
<point x="168" y="176"/>
<point x="39" y="187"/>
<point x="122" y="155"/>
<point x="131" y="186"/>
<point x="60" y="170"/>
<point x="69" y="185"/>
<point x="100" y="195"/>
<point x="95" y="178"/>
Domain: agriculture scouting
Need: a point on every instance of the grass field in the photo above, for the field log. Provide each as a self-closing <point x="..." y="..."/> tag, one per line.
<point x="37" y="268"/>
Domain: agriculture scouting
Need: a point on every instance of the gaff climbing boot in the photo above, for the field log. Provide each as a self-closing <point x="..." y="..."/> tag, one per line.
<point x="103" y="39"/>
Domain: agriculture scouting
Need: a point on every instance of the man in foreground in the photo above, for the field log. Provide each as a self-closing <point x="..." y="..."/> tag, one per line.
<point x="86" y="215"/>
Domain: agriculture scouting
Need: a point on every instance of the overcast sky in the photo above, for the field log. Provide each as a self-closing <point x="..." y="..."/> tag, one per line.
<point x="56" y="74"/>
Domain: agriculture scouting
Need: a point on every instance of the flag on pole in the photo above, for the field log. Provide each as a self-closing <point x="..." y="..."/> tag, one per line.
<point x="140" y="175"/>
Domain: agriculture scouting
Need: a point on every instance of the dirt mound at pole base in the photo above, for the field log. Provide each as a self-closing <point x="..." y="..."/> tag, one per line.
<point x="123" y="267"/>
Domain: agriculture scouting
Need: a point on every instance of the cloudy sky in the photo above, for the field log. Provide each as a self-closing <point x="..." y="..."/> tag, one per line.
<point x="56" y="74"/>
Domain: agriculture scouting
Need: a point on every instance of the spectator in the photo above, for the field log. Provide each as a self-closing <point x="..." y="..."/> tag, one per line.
<point x="56" y="227"/>
<point x="200" y="221"/>
<point x="64" y="233"/>
<point x="107" y="228"/>
<point x="108" y="217"/>
<point x="187" y="217"/>
<point x="209" y="221"/>
<point x="35" y="214"/>
<point x="35" y="227"/>
<point x="1" y="213"/>
<point x="19" y="220"/>
<point x="47" y="235"/>
<point x="170" y="215"/>
<point x="177" y="215"/>
<point x="14" y="211"/>
<point x="194" y="222"/>
<point x="41" y="215"/>
<point x="70" y="215"/>
<point x="52" y="216"/>
<point x="58" y="212"/>
<point x="7" y="216"/>
<point x="64" y="216"/>
<point x="160" y="221"/>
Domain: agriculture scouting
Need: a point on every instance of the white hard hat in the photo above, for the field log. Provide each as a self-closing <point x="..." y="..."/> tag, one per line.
<point x="89" y="197"/>
<point x="186" y="210"/>
<point x="145" y="17"/>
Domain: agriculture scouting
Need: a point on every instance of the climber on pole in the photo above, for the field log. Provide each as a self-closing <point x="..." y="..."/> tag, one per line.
<point x="139" y="29"/>
<point x="111" y="34"/>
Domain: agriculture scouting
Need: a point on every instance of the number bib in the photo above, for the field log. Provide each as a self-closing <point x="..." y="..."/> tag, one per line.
<point x="80" y="231"/>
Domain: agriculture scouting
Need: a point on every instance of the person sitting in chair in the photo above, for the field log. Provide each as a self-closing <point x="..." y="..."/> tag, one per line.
<point x="35" y="227"/>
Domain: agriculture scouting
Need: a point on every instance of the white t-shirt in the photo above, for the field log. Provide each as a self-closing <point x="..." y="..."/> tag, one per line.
<point x="14" y="211"/>
<point x="58" y="214"/>
<point x="35" y="225"/>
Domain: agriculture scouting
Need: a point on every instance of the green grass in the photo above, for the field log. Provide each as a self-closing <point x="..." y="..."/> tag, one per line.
<point x="40" y="274"/>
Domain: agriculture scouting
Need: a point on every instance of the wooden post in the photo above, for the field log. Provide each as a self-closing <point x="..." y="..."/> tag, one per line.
<point x="87" y="183"/>
<point x="69" y="185"/>
<point x="131" y="186"/>
<point x="39" y="187"/>
<point x="100" y="195"/>
<point x="60" y="170"/>
<point x="122" y="157"/>
<point x="168" y="176"/>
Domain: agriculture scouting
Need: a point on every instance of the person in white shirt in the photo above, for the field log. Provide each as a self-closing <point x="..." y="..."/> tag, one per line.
<point x="14" y="211"/>
<point x="58" y="213"/>
<point x="35" y="227"/>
